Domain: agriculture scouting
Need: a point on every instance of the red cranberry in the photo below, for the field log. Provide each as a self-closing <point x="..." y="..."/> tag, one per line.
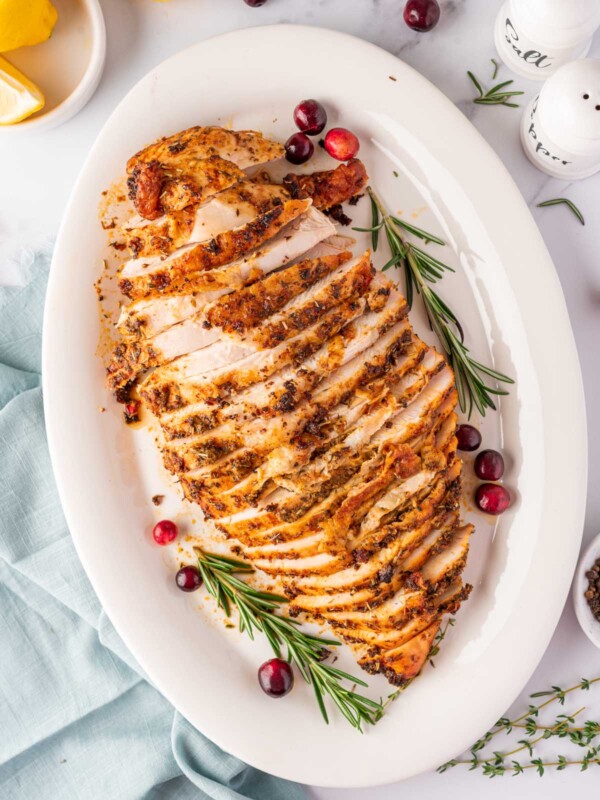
<point x="342" y="144"/>
<point x="421" y="15"/>
<point x="468" y="437"/>
<point x="188" y="579"/>
<point x="298" y="148"/>
<point x="255" y="3"/>
<point x="489" y="465"/>
<point x="492" y="498"/>
<point x="165" y="532"/>
<point x="310" y="117"/>
<point x="276" y="677"/>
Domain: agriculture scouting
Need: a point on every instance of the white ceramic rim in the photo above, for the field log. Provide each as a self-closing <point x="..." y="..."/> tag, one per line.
<point x="84" y="90"/>
<point x="589" y="624"/>
<point x="550" y="341"/>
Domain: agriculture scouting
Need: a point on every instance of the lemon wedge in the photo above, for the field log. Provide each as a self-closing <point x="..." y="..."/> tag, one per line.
<point x="25" y="22"/>
<point x="19" y="97"/>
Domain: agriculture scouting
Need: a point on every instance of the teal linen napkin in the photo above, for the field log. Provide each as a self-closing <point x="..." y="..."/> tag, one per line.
<point x="78" y="720"/>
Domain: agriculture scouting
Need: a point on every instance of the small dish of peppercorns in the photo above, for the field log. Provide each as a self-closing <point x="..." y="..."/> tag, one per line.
<point x="586" y="592"/>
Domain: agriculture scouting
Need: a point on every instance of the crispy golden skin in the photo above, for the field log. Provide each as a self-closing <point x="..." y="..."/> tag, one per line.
<point x="163" y="392"/>
<point x="183" y="150"/>
<point x="179" y="274"/>
<point x="192" y="165"/>
<point x="331" y="187"/>
<point x="353" y="283"/>
<point x="237" y="312"/>
<point x="156" y="190"/>
<point x="174" y="229"/>
<point x="240" y="311"/>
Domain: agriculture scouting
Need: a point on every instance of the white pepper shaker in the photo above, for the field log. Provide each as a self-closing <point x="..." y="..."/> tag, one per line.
<point x="560" y="129"/>
<point x="536" y="37"/>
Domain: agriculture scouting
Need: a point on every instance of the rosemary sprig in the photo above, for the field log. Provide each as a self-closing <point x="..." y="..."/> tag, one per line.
<point x="559" y="201"/>
<point x="494" y="96"/>
<point x="256" y="610"/>
<point x="496" y="67"/>
<point x="421" y="269"/>
<point x="563" y="727"/>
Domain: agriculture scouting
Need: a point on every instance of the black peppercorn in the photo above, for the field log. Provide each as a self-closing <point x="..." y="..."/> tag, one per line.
<point x="592" y="594"/>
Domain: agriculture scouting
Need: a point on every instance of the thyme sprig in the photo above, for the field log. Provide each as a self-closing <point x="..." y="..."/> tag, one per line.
<point x="564" y="201"/>
<point x="439" y="638"/>
<point x="421" y="269"/>
<point x="256" y="610"/>
<point x="494" y="96"/>
<point x="563" y="727"/>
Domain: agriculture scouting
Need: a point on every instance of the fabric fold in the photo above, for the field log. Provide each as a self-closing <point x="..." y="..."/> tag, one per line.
<point x="79" y="720"/>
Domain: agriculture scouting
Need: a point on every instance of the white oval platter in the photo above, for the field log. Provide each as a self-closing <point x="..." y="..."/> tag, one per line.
<point x="428" y="162"/>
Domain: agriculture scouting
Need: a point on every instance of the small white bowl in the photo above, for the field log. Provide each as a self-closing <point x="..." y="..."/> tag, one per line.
<point x="67" y="67"/>
<point x="589" y="624"/>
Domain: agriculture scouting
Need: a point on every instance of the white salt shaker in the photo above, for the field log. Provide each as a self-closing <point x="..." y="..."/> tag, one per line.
<point x="560" y="129"/>
<point x="536" y="37"/>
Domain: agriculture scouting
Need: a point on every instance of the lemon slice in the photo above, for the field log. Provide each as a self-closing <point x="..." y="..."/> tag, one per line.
<point x="19" y="97"/>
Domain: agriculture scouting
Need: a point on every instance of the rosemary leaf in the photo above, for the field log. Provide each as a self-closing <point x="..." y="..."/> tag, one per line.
<point x="369" y="230"/>
<point x="394" y="261"/>
<point x="494" y="96"/>
<point x="319" y="696"/>
<point x="475" y="82"/>
<point x="376" y="227"/>
<point x="501" y="100"/>
<point x="564" y="201"/>
<point x="345" y="675"/>
<point x="427" y="237"/>
<point x="429" y="259"/>
<point x="496" y="89"/>
<point x="224" y="561"/>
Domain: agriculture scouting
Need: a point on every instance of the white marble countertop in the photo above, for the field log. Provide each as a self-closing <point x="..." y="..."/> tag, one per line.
<point x="38" y="173"/>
